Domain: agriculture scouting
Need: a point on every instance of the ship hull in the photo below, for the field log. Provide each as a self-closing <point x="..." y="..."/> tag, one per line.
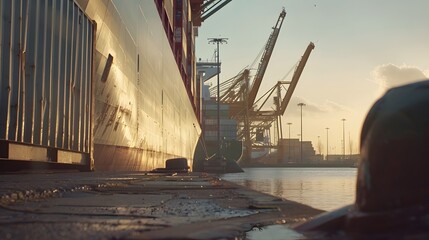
<point x="97" y="84"/>
<point x="143" y="114"/>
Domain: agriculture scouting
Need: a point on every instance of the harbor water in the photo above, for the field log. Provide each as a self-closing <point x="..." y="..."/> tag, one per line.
<point x="323" y="188"/>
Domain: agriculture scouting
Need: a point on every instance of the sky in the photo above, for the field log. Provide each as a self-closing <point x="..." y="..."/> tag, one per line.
<point x="362" y="48"/>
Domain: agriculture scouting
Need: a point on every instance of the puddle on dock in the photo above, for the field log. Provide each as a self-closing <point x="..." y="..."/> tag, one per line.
<point x="274" y="232"/>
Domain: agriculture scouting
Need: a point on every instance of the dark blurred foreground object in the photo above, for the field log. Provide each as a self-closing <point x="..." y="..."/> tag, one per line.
<point x="392" y="192"/>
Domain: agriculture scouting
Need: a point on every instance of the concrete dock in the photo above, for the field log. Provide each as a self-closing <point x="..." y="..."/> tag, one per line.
<point x="136" y="205"/>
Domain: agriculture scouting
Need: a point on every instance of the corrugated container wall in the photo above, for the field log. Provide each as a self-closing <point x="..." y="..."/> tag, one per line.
<point x="46" y="72"/>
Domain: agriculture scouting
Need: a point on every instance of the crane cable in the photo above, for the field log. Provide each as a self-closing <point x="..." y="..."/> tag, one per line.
<point x="287" y="74"/>
<point x="257" y="57"/>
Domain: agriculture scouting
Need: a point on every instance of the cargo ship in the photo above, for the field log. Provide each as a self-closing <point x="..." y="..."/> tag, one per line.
<point x="99" y="84"/>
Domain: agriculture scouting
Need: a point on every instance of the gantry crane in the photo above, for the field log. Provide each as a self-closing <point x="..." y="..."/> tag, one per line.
<point x="281" y="106"/>
<point x="240" y="95"/>
<point x="233" y="89"/>
<point x="203" y="9"/>
<point x="295" y="78"/>
<point x="256" y="119"/>
<point x="269" y="47"/>
<point x="281" y="103"/>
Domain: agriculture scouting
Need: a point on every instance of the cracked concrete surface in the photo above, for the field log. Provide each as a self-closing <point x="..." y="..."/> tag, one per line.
<point x="103" y="205"/>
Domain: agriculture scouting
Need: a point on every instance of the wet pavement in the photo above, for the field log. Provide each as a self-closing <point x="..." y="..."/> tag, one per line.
<point x="102" y="205"/>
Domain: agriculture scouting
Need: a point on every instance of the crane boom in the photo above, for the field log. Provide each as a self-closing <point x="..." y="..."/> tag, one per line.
<point x="269" y="47"/>
<point x="295" y="78"/>
<point x="238" y="79"/>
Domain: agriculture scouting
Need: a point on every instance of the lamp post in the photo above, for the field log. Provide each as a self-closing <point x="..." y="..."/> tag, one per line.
<point x="344" y="140"/>
<point x="327" y="143"/>
<point x="301" y="105"/>
<point x="289" y="141"/>
<point x="218" y="41"/>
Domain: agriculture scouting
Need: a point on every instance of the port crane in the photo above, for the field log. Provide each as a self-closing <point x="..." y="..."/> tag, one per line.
<point x="269" y="48"/>
<point x="232" y="90"/>
<point x="280" y="102"/>
<point x="240" y="96"/>
<point x="257" y="119"/>
<point x="203" y="9"/>
<point x="239" y="92"/>
<point x="281" y="106"/>
<point x="210" y="7"/>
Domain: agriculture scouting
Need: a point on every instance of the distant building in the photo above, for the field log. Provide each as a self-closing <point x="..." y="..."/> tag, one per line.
<point x="338" y="157"/>
<point x="289" y="150"/>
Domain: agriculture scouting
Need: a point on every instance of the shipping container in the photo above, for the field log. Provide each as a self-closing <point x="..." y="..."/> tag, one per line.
<point x="46" y="99"/>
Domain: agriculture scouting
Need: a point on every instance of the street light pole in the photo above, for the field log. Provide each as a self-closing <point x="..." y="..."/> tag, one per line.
<point x="301" y="105"/>
<point x="289" y="140"/>
<point x="218" y="41"/>
<point x="344" y="140"/>
<point x="327" y="143"/>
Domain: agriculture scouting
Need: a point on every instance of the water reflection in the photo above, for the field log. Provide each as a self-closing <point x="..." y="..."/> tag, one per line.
<point x="322" y="188"/>
<point x="274" y="232"/>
